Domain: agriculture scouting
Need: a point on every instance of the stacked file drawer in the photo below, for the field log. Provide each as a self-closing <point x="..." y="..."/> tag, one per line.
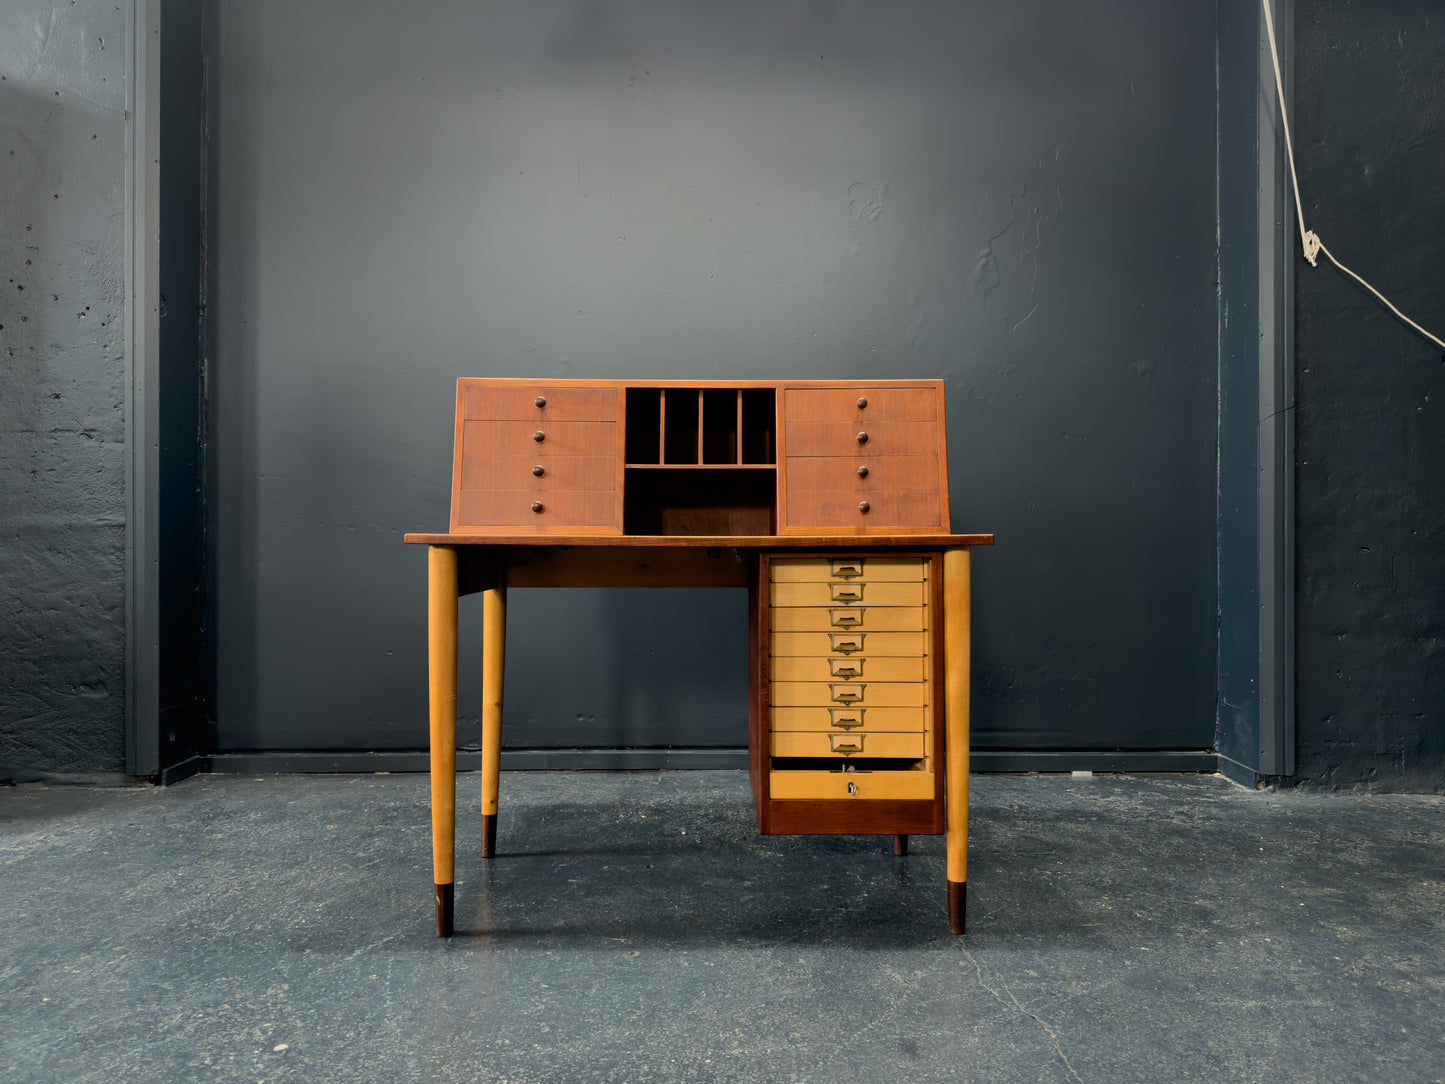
<point x="850" y="677"/>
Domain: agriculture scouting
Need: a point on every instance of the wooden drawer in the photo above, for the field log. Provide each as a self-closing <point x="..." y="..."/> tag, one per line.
<point x="839" y="719"/>
<point x="848" y="642"/>
<point x="510" y="507"/>
<point x="847" y="668"/>
<point x="501" y="402"/>
<point x="559" y="472"/>
<point x="848" y="593"/>
<point x="868" y="694"/>
<point x="841" y="439"/>
<point x="872" y="569"/>
<point x="916" y="509"/>
<point x="557" y="438"/>
<point x="848" y="618"/>
<point x="885" y="473"/>
<point x="865" y="785"/>
<point x="841" y="404"/>
<point x="841" y="745"/>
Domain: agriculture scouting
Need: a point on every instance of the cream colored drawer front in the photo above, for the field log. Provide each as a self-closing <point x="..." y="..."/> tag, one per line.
<point x="842" y="718"/>
<point x="858" y="592"/>
<point x="846" y="668"/>
<point x="874" y="569"/>
<point x="863" y="785"/>
<point x="848" y="643"/>
<point x="883" y="694"/>
<point x="848" y="618"/>
<point x="860" y="743"/>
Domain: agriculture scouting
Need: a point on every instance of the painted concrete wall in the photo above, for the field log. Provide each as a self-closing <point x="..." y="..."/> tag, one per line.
<point x="1370" y="97"/>
<point x="1017" y="197"/>
<point x="62" y="424"/>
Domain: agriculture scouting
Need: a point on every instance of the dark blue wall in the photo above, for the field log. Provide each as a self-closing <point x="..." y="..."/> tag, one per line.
<point x="62" y="380"/>
<point x="1371" y="477"/>
<point x="1019" y="198"/>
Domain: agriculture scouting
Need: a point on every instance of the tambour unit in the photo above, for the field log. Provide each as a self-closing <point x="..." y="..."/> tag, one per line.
<point x="847" y="719"/>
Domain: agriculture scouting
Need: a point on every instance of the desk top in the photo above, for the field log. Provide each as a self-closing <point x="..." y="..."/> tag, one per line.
<point x="746" y="542"/>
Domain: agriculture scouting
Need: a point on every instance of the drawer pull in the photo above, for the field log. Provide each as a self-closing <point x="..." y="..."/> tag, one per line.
<point x="847" y="744"/>
<point x="846" y="569"/>
<point x="537" y="507"/>
<point x="862" y="402"/>
<point x="847" y="644"/>
<point x="846" y="718"/>
<point x="541" y="401"/>
<point x="846" y="619"/>
<point x="538" y="470"/>
<point x="846" y="694"/>
<point x="847" y="592"/>
<point x="862" y="472"/>
<point x="862" y="438"/>
<point x="846" y="668"/>
<point x="863" y="507"/>
<point x="539" y="436"/>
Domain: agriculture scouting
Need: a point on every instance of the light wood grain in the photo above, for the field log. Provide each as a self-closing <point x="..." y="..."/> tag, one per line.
<point x="868" y="785"/>
<point x="864" y="618"/>
<point x="865" y="743"/>
<point x="845" y="593"/>
<point x="824" y="644"/>
<point x="880" y="694"/>
<point x="877" y="569"/>
<point x="821" y="719"/>
<point x="847" y="668"/>
<point x="957" y="647"/>
<point x="442" y="697"/>
<point x="494" y="659"/>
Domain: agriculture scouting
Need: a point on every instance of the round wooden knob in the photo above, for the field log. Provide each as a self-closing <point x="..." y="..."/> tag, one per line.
<point x="541" y="401"/>
<point x="862" y="402"/>
<point x="538" y="471"/>
<point x="539" y="436"/>
<point x="536" y="506"/>
<point x="862" y="507"/>
<point x="862" y="472"/>
<point x="862" y="438"/>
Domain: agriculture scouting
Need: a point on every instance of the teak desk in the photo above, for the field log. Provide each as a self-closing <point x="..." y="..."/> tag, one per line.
<point x="827" y="500"/>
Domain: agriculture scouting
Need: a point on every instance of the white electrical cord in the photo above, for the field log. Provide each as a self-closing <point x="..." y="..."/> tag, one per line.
<point x="1313" y="246"/>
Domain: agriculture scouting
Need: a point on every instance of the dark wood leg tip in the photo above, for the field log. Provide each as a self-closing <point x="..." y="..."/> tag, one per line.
<point x="900" y="845"/>
<point x="445" y="897"/>
<point x="957" y="905"/>
<point x="489" y="835"/>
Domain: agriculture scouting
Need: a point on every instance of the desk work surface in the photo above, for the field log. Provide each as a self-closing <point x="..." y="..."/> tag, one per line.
<point x="826" y="500"/>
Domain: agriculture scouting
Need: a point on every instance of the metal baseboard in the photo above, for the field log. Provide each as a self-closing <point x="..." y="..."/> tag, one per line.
<point x="641" y="760"/>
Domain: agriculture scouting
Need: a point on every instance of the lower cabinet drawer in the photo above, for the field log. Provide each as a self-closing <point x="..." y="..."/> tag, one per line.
<point x="848" y="643"/>
<point x="861" y="743"/>
<point x="848" y="593"/>
<point x="863" y="618"/>
<point x="865" y="785"/>
<point x="840" y="719"/>
<point x="872" y="569"/>
<point x="847" y="668"/>
<point x="883" y="694"/>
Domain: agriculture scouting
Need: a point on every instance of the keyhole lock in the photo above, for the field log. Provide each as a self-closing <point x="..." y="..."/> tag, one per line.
<point x="852" y="788"/>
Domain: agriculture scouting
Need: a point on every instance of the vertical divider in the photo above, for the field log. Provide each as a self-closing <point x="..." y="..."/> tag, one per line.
<point x="699" y="427"/>
<point x="739" y="424"/>
<point x="662" y="426"/>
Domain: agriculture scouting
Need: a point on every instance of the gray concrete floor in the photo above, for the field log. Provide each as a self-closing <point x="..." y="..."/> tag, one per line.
<point x="635" y="928"/>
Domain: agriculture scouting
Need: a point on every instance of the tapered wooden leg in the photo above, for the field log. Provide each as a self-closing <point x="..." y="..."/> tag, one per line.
<point x="957" y="645"/>
<point x="494" y="655"/>
<point x="442" y="684"/>
<point x="900" y="845"/>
